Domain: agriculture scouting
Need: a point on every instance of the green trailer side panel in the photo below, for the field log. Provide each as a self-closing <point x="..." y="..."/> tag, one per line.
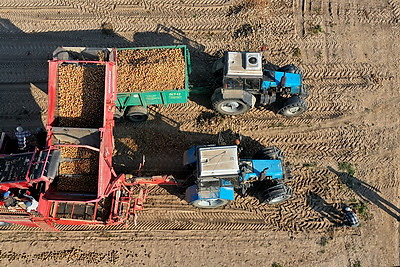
<point x="128" y="99"/>
<point x="152" y="98"/>
<point x="175" y="96"/>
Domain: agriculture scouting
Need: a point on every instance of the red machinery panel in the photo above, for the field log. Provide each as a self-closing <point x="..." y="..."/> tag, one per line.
<point x="64" y="131"/>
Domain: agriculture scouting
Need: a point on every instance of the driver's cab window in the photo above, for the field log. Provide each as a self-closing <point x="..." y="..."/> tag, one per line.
<point x="252" y="84"/>
<point x="234" y="83"/>
<point x="242" y="84"/>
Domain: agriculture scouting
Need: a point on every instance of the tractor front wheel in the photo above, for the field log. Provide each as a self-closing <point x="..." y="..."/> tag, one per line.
<point x="270" y="152"/>
<point x="228" y="106"/>
<point x="275" y="194"/>
<point x="290" y="69"/>
<point x="294" y="106"/>
<point x="137" y="114"/>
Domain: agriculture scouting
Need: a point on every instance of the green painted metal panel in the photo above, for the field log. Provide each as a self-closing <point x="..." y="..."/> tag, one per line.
<point x="153" y="47"/>
<point x="151" y="98"/>
<point x="175" y="96"/>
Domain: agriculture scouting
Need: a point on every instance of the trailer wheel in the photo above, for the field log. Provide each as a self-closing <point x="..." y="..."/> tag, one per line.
<point x="275" y="194"/>
<point x="210" y="203"/>
<point x="294" y="106"/>
<point x="228" y="106"/>
<point x="270" y="152"/>
<point x="137" y="114"/>
<point x="118" y="115"/>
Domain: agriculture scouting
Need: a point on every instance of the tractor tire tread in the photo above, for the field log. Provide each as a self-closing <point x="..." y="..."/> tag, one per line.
<point x="293" y="102"/>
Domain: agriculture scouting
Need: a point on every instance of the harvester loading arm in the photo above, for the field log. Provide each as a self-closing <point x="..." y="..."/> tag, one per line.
<point x="28" y="168"/>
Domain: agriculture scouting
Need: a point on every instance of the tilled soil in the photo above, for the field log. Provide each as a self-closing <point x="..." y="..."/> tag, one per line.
<point x="348" y="54"/>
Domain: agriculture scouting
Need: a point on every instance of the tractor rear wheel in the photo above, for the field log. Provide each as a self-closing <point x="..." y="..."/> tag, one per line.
<point x="270" y="152"/>
<point x="275" y="194"/>
<point x="210" y="203"/>
<point x="228" y="106"/>
<point x="137" y="114"/>
<point x="294" y="106"/>
<point x="218" y="67"/>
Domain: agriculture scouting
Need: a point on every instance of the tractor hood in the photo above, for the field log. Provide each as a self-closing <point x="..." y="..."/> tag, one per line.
<point x="254" y="168"/>
<point x="274" y="78"/>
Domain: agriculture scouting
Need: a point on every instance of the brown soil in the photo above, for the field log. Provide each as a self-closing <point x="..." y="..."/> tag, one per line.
<point x="349" y="55"/>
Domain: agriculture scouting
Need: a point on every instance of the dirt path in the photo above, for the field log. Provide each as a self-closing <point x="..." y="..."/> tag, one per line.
<point x="178" y="248"/>
<point x="348" y="53"/>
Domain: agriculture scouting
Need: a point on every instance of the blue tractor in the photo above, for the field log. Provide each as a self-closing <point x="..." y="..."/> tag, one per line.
<point x="246" y="83"/>
<point x="218" y="173"/>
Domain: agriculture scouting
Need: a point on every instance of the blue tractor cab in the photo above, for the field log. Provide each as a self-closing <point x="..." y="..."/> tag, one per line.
<point x="245" y="83"/>
<point x="219" y="172"/>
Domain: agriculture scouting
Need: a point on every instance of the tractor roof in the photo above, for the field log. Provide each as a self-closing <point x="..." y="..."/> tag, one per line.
<point x="218" y="161"/>
<point x="243" y="64"/>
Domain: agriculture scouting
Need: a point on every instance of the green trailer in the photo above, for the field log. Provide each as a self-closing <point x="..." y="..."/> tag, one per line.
<point x="146" y="76"/>
<point x="150" y="76"/>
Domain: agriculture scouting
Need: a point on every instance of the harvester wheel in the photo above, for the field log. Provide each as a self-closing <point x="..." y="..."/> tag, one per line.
<point x="210" y="203"/>
<point x="290" y="69"/>
<point x="137" y="114"/>
<point x="228" y="106"/>
<point x="275" y="194"/>
<point x="269" y="153"/>
<point x="294" y="106"/>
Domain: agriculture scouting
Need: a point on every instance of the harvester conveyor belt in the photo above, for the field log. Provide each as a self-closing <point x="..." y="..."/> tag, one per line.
<point x="14" y="168"/>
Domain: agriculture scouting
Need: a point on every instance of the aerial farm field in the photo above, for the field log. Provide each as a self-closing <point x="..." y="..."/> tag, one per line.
<point x="344" y="150"/>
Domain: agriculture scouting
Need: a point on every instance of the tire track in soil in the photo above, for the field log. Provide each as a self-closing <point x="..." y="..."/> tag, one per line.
<point x="99" y="8"/>
<point x="31" y="3"/>
<point x="395" y="9"/>
<point x="356" y="70"/>
<point x="299" y="17"/>
<point x="19" y="72"/>
<point x="374" y="14"/>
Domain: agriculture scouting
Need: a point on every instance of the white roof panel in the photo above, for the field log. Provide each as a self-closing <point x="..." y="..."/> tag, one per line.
<point x="218" y="161"/>
<point x="236" y="65"/>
